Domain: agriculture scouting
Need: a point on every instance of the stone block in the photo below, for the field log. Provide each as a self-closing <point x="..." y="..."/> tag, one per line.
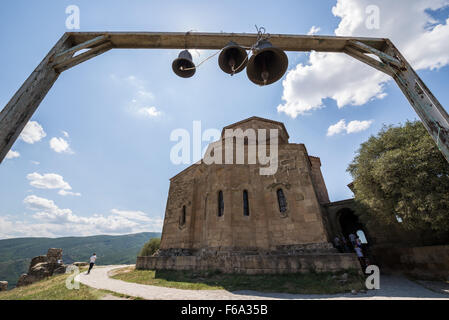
<point x="3" y="285"/>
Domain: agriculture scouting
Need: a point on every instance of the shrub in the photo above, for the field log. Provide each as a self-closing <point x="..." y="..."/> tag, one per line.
<point x="150" y="247"/>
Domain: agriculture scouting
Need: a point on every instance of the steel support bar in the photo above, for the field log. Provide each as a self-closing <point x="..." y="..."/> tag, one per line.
<point x="16" y="114"/>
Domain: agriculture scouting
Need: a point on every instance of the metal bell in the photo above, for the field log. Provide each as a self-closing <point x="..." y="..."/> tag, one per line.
<point x="233" y="58"/>
<point x="267" y="64"/>
<point x="183" y="66"/>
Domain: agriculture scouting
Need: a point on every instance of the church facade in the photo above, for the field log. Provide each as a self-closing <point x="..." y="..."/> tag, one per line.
<point x="231" y="217"/>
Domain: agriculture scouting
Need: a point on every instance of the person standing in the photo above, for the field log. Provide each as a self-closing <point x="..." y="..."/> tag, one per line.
<point x="92" y="260"/>
<point x="358" y="242"/>
<point x="345" y="244"/>
<point x="360" y="256"/>
<point x="337" y="244"/>
<point x="352" y="239"/>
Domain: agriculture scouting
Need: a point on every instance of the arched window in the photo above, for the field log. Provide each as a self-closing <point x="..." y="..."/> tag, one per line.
<point x="245" y="203"/>
<point x="182" y="221"/>
<point x="281" y="201"/>
<point x="220" y="203"/>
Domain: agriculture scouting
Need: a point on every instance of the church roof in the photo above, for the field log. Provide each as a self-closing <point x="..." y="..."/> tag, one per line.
<point x="254" y="118"/>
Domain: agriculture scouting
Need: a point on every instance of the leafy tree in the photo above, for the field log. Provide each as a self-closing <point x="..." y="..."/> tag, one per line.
<point x="400" y="173"/>
<point x="150" y="247"/>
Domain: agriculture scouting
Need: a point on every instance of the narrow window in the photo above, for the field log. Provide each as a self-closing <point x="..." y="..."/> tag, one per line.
<point x="245" y="203"/>
<point x="282" y="201"/>
<point x="220" y="203"/>
<point x="183" y="216"/>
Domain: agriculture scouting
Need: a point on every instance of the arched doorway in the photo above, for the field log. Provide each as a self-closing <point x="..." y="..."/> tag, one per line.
<point x="349" y="223"/>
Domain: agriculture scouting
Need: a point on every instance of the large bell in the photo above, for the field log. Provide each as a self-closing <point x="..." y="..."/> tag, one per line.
<point x="267" y="64"/>
<point x="233" y="58"/>
<point x="183" y="66"/>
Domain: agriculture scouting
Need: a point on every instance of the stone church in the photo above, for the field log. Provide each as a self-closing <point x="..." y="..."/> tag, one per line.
<point x="232" y="218"/>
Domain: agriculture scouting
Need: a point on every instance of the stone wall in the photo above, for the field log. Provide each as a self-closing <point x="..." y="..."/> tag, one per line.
<point x="422" y="262"/>
<point x="266" y="227"/>
<point x="254" y="264"/>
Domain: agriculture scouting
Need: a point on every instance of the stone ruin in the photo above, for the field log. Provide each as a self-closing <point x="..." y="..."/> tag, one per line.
<point x="42" y="267"/>
<point x="3" y="285"/>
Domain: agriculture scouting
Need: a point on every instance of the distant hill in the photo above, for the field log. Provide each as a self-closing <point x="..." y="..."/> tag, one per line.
<point x="16" y="254"/>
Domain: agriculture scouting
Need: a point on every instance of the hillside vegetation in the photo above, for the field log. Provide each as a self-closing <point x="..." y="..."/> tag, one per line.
<point x="15" y="254"/>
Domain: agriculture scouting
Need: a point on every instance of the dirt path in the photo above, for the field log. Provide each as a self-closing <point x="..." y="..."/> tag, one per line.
<point x="391" y="287"/>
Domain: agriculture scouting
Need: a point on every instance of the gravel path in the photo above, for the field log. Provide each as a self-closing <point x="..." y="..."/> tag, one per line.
<point x="391" y="287"/>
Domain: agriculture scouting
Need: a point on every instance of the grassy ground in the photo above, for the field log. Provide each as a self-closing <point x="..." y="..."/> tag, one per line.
<point x="54" y="288"/>
<point x="311" y="283"/>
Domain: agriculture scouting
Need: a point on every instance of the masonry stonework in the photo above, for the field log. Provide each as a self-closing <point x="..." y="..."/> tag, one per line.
<point x="273" y="234"/>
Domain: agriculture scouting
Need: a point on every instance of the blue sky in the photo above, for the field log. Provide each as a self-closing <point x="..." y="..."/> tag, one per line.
<point x="117" y="158"/>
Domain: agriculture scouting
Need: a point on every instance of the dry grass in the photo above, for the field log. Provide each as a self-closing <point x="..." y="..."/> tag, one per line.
<point x="310" y="283"/>
<point x="54" y="288"/>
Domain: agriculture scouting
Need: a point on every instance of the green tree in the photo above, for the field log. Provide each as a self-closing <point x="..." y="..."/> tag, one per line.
<point x="400" y="173"/>
<point x="150" y="247"/>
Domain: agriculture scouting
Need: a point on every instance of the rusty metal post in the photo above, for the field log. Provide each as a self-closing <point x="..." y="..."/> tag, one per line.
<point x="16" y="114"/>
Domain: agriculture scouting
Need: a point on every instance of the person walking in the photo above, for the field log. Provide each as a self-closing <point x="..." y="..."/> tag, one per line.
<point x="92" y="260"/>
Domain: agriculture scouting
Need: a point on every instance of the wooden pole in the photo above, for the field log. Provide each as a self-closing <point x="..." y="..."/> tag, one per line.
<point x="21" y="107"/>
<point x="16" y="114"/>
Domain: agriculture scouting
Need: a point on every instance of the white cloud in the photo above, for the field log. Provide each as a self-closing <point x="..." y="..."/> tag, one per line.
<point x="352" y="127"/>
<point x="313" y="30"/>
<point x="47" y="209"/>
<point x="142" y="98"/>
<point x="358" y="126"/>
<point x="60" y="145"/>
<point x="350" y="82"/>
<point x="35" y="162"/>
<point x="12" y="154"/>
<point x="32" y="132"/>
<point x="48" y="181"/>
<point x="151" y="112"/>
<point x="135" y="215"/>
<point x="52" y="221"/>
<point x="63" y="192"/>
